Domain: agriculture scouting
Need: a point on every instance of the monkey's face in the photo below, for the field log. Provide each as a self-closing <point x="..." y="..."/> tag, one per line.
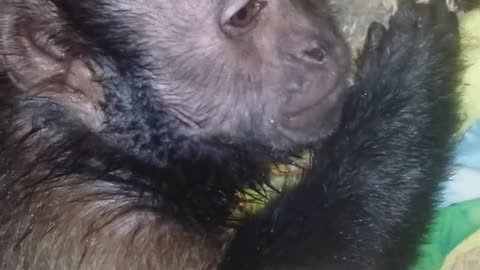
<point x="267" y="71"/>
<point x="271" y="71"/>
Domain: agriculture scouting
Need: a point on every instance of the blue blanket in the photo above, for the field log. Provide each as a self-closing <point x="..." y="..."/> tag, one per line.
<point x="465" y="183"/>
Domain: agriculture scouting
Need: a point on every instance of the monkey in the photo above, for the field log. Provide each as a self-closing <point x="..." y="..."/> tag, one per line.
<point x="127" y="129"/>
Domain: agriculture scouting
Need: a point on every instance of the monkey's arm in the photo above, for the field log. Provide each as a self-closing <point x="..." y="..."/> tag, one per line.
<point x="370" y="194"/>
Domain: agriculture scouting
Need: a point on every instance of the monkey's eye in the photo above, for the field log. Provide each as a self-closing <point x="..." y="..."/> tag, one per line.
<point x="247" y="14"/>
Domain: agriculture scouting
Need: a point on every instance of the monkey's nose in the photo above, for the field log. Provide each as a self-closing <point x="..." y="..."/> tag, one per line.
<point x="317" y="54"/>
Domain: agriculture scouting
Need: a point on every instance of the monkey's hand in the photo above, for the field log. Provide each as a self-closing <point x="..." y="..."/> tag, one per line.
<point x="369" y="196"/>
<point x="411" y="53"/>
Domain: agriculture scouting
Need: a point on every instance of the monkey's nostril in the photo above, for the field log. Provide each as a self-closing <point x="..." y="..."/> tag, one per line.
<point x="318" y="54"/>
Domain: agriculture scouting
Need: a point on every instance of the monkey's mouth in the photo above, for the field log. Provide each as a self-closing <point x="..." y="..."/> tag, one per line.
<point x="309" y="109"/>
<point x="314" y="105"/>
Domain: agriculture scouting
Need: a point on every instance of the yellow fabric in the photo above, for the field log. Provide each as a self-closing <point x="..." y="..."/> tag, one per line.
<point x="465" y="256"/>
<point x="470" y="80"/>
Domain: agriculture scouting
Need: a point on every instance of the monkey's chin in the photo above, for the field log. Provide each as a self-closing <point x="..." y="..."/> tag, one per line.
<point x="312" y="130"/>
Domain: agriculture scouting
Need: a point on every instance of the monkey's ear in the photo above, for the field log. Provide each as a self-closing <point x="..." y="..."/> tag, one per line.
<point x="40" y="53"/>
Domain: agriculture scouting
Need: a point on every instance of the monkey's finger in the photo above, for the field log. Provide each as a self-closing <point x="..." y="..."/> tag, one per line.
<point x="440" y="8"/>
<point x="424" y="15"/>
<point x="443" y="14"/>
<point x="375" y="35"/>
<point x="435" y="14"/>
<point x="371" y="53"/>
<point x="406" y="4"/>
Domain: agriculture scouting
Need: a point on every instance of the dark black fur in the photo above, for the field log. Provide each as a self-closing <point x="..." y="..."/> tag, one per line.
<point x="67" y="194"/>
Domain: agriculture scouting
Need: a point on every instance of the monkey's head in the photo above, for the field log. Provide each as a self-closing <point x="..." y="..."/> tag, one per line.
<point x="269" y="72"/>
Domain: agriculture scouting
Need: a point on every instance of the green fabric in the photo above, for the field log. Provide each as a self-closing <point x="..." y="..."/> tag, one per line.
<point x="451" y="227"/>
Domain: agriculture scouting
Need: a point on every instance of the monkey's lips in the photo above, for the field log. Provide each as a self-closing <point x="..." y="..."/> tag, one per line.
<point x="312" y="109"/>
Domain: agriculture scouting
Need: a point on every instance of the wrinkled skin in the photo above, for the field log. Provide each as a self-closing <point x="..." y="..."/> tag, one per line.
<point x="127" y="129"/>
